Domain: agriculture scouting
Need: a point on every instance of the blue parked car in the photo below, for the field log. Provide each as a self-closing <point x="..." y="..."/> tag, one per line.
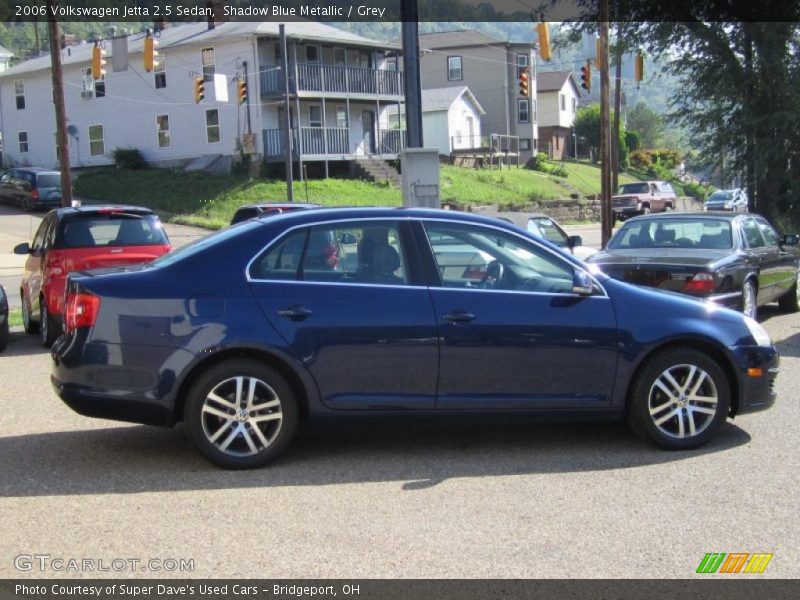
<point x="360" y="311"/>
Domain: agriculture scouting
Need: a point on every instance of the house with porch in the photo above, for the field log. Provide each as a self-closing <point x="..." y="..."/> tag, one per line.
<point x="340" y="88"/>
<point x="559" y="96"/>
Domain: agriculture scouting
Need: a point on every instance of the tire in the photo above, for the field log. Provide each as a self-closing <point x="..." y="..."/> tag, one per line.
<point x="646" y="210"/>
<point x="749" y="299"/>
<point x="790" y="301"/>
<point x="668" y="208"/>
<point x="27" y="205"/>
<point x="4" y="334"/>
<point x="667" y="421"/>
<point x="28" y="323"/>
<point x="49" y="328"/>
<point x="221" y="427"/>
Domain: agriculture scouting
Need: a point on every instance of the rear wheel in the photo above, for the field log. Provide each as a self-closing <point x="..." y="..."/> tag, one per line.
<point x="679" y="399"/>
<point x="749" y="299"/>
<point x="646" y="210"/>
<point x="241" y="414"/>
<point x="790" y="301"/>
<point x="28" y="323"/>
<point x="27" y="204"/>
<point x="48" y="326"/>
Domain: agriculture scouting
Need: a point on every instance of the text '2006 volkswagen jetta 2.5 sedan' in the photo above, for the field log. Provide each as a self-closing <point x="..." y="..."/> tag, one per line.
<point x="393" y="311"/>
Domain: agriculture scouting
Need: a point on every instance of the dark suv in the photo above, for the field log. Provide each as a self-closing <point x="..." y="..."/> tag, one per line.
<point x="31" y="187"/>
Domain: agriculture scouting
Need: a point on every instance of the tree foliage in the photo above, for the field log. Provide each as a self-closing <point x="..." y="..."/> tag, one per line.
<point x="645" y="122"/>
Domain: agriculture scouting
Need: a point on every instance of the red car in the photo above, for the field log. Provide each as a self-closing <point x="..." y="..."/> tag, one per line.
<point x="78" y="239"/>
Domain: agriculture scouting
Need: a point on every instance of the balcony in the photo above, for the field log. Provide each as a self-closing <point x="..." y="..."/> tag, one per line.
<point x="335" y="80"/>
<point x="322" y="142"/>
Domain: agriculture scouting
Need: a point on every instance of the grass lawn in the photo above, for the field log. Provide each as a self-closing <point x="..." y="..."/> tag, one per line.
<point x="210" y="200"/>
<point x="15" y="317"/>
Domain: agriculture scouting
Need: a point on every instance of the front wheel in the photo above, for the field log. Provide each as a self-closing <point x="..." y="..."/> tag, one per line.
<point x="790" y="301"/>
<point x="48" y="326"/>
<point x="679" y="399"/>
<point x="646" y="210"/>
<point x="28" y="323"/>
<point x="241" y="414"/>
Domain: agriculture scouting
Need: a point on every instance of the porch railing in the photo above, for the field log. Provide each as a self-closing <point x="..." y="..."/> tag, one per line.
<point x="391" y="141"/>
<point x="313" y="140"/>
<point x="312" y="77"/>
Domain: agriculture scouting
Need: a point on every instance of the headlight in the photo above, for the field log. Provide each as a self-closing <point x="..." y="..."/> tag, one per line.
<point x="759" y="334"/>
<point x="728" y="205"/>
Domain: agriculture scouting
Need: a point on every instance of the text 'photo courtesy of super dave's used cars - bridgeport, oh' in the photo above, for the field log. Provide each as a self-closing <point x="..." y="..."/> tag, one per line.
<point x="359" y="312"/>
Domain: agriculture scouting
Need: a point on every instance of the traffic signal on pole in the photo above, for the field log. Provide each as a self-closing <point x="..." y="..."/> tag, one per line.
<point x="543" y="31"/>
<point x="638" y="68"/>
<point x="98" y="61"/>
<point x="241" y="88"/>
<point x="199" y="89"/>
<point x="586" y="77"/>
<point x="524" y="82"/>
<point x="150" y="53"/>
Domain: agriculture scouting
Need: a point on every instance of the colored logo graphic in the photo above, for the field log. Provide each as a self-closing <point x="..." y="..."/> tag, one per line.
<point x="735" y="562"/>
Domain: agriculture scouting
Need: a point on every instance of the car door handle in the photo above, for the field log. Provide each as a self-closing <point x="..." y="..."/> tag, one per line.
<point x="295" y="313"/>
<point x="459" y="317"/>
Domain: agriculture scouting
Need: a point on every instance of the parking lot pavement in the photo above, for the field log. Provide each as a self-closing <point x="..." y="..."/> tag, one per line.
<point x="473" y="499"/>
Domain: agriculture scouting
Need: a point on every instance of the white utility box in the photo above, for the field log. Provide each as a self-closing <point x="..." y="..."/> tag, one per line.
<point x="420" y="177"/>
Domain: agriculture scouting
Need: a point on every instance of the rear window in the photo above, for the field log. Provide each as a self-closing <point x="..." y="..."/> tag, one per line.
<point x="48" y="180"/>
<point x="113" y="229"/>
<point x="701" y="234"/>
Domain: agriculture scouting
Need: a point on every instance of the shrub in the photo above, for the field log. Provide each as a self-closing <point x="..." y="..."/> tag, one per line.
<point x="640" y="159"/>
<point x="129" y="158"/>
<point x="633" y="140"/>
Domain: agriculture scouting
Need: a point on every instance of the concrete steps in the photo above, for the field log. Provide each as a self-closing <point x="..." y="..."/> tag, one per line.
<point x="375" y="169"/>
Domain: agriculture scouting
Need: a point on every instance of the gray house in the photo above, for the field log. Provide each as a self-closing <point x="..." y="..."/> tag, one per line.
<point x="490" y="68"/>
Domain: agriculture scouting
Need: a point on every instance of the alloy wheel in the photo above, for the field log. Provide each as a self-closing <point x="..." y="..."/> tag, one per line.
<point x="749" y="299"/>
<point x="683" y="401"/>
<point x="242" y="416"/>
<point x="26" y="315"/>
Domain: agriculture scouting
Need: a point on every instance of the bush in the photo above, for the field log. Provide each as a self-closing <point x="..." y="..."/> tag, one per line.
<point x="633" y="140"/>
<point x="695" y="190"/>
<point x="640" y="159"/>
<point x="129" y="158"/>
<point x="666" y="157"/>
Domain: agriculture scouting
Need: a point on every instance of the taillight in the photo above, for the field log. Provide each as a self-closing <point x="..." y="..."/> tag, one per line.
<point x="56" y="263"/>
<point x="700" y="284"/>
<point x="35" y="194"/>
<point x="81" y="310"/>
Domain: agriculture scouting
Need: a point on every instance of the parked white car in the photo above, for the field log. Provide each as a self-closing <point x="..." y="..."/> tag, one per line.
<point x="547" y="228"/>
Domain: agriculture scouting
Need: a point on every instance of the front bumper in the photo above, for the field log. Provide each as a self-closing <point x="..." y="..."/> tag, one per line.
<point x="623" y="212"/>
<point x="757" y="369"/>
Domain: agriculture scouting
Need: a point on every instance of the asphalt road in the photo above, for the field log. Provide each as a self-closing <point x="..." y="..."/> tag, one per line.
<point x="465" y="500"/>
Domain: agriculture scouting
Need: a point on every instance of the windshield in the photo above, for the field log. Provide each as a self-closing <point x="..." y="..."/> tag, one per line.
<point x="634" y="188"/>
<point x="720" y="197"/>
<point x="48" y="180"/>
<point x="687" y="232"/>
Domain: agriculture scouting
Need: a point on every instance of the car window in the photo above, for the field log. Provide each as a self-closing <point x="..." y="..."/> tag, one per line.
<point x="678" y="232"/>
<point x="356" y="252"/>
<point x="113" y="229"/>
<point x="770" y="237"/>
<point x="48" y="180"/>
<point x="467" y="256"/>
<point x="49" y="235"/>
<point x="38" y="238"/>
<point x="282" y="261"/>
<point x="752" y="234"/>
<point x="547" y="229"/>
<point x="634" y="188"/>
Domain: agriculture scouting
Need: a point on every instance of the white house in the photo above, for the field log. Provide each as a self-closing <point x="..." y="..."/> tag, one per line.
<point x="558" y="95"/>
<point x="451" y="119"/>
<point x="340" y="87"/>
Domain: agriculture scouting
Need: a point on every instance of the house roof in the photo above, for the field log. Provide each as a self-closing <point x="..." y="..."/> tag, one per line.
<point x="454" y="39"/>
<point x="439" y="99"/>
<point x="5" y="52"/>
<point x="199" y="33"/>
<point x="552" y="81"/>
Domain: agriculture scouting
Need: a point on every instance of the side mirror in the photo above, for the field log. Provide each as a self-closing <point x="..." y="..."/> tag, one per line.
<point x="582" y="283"/>
<point x="22" y="248"/>
<point x="347" y="238"/>
<point x="791" y="239"/>
<point x="573" y="241"/>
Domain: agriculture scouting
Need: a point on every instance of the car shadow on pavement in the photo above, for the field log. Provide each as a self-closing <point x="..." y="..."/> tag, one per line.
<point x="23" y="344"/>
<point x="417" y="455"/>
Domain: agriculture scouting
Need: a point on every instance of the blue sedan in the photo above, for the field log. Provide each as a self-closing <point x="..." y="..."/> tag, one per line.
<point x="249" y="331"/>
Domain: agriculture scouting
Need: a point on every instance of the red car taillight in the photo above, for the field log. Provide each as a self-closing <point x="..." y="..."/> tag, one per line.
<point x="81" y="310"/>
<point x="700" y="284"/>
<point x="35" y="194"/>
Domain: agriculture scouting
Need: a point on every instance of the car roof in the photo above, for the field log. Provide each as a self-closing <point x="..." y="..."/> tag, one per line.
<point x="716" y="215"/>
<point x="102" y="208"/>
<point x="281" y="205"/>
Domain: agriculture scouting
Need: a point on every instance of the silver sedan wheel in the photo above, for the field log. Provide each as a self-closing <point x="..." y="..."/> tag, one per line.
<point x="242" y="416"/>
<point x="749" y="299"/>
<point x="683" y="401"/>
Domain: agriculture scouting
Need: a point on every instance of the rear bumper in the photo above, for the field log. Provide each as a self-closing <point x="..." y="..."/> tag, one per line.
<point x="756" y="392"/>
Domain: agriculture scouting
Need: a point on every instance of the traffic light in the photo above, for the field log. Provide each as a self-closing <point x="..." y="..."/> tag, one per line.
<point x="638" y="68"/>
<point x="524" y="82"/>
<point x="150" y="54"/>
<point x="98" y="62"/>
<point x="199" y="89"/>
<point x="544" y="41"/>
<point x="586" y="77"/>
<point x="241" y="87"/>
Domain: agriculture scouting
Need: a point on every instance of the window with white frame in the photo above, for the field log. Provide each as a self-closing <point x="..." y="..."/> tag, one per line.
<point x="524" y="144"/>
<point x="19" y="92"/>
<point x="97" y="146"/>
<point x="23" y="142"/>
<point x="563" y="99"/>
<point x="160" y="73"/>
<point x="454" y="70"/>
<point x="315" y="115"/>
<point x="87" y="83"/>
<point x="341" y="117"/>
<point x="162" y="130"/>
<point x="574" y="105"/>
<point x="522" y="60"/>
<point x="212" y="126"/>
<point x="523" y="110"/>
<point x="209" y="64"/>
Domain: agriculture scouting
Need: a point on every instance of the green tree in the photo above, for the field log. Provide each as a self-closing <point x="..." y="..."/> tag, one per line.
<point x="648" y="124"/>
<point x="587" y="130"/>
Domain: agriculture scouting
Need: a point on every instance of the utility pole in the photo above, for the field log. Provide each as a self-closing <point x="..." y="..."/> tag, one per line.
<point x="617" y="110"/>
<point x="605" y="137"/>
<point x="749" y="141"/>
<point x="62" y="143"/>
<point x="410" y="16"/>
<point x="287" y="122"/>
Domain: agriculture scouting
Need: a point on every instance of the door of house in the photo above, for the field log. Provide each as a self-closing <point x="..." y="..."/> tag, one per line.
<point x="471" y="132"/>
<point x="368" y="129"/>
